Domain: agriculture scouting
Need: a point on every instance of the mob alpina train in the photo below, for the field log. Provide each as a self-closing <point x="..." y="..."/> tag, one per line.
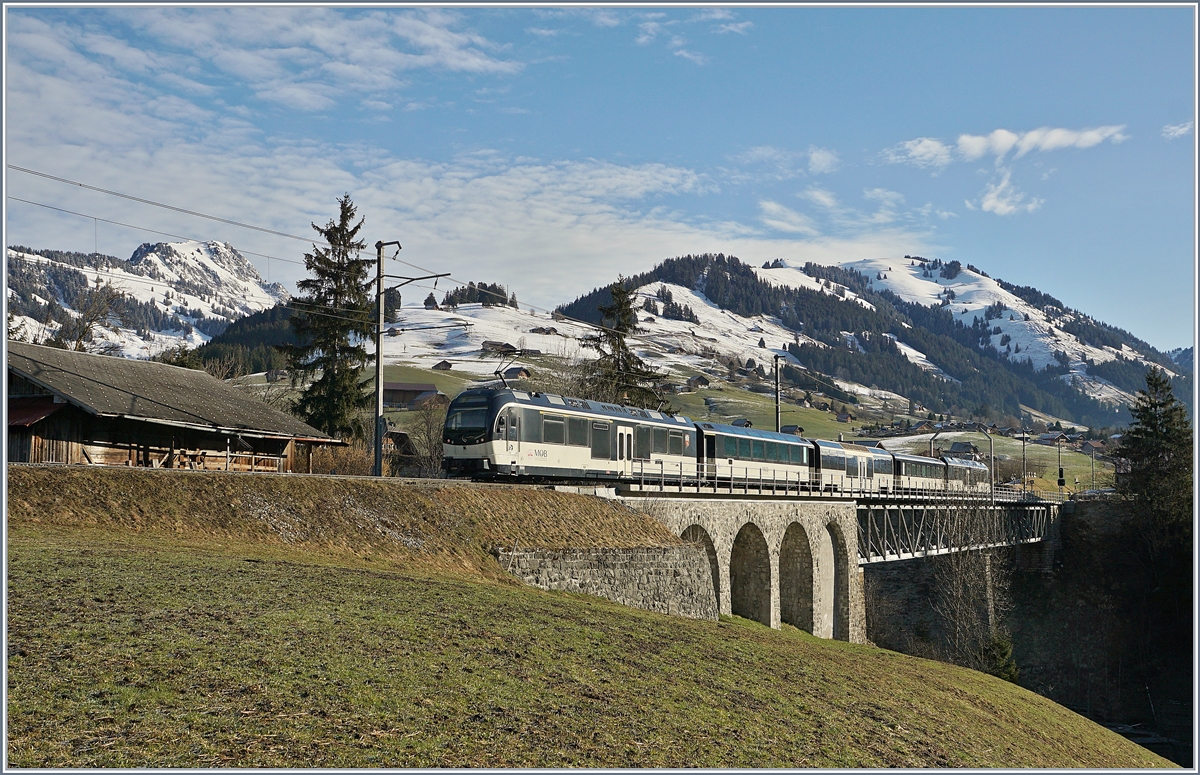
<point x="511" y="435"/>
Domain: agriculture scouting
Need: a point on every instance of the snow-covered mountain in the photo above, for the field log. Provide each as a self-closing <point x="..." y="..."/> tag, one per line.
<point x="173" y="293"/>
<point x="1020" y="330"/>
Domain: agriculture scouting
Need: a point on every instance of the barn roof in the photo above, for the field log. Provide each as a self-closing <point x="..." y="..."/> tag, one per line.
<point x="145" y="390"/>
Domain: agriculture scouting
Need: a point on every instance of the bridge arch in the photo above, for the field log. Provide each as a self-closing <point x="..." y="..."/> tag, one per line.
<point x="796" y="578"/>
<point x="841" y="582"/>
<point x="695" y="534"/>
<point x="750" y="575"/>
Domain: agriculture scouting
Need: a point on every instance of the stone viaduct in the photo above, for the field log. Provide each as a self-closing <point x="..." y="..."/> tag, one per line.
<point x="776" y="561"/>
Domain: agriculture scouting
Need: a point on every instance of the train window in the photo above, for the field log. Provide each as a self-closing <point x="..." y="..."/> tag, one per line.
<point x="660" y="441"/>
<point x="642" y="442"/>
<point x="600" y="443"/>
<point x="851" y="466"/>
<point x="688" y="449"/>
<point x="756" y="450"/>
<point x="531" y="426"/>
<point x="832" y="462"/>
<point x="729" y="445"/>
<point x="772" y="451"/>
<point x="743" y="449"/>
<point x="553" y="430"/>
<point x="883" y="465"/>
<point x="577" y="431"/>
<point x="675" y="444"/>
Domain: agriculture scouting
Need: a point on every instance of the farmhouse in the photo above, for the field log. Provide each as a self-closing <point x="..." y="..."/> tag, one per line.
<point x="73" y="407"/>
<point x="411" y="395"/>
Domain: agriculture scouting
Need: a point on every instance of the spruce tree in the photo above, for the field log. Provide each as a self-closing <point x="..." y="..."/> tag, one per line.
<point x="332" y="324"/>
<point x="1158" y="450"/>
<point x="619" y="375"/>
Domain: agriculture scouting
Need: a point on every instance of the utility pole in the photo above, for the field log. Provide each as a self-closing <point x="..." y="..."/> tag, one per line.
<point x="380" y="422"/>
<point x="381" y="292"/>
<point x="777" y="426"/>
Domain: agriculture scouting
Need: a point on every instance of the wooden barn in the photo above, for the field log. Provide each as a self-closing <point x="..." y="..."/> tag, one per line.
<point x="73" y="407"/>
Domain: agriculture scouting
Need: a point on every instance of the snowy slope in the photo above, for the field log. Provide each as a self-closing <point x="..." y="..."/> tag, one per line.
<point x="675" y="346"/>
<point x="1032" y="334"/>
<point x="188" y="281"/>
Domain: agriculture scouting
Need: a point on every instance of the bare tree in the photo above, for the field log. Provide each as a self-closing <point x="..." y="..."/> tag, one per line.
<point x="97" y="309"/>
<point x="972" y="596"/>
<point x="426" y="436"/>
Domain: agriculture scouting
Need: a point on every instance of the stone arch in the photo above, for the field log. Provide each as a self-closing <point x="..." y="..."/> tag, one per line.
<point x="750" y="575"/>
<point x="796" y="578"/>
<point x="694" y="534"/>
<point x="841" y="582"/>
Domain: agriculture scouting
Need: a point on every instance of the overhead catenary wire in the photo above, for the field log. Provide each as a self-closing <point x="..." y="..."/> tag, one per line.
<point x="153" y="203"/>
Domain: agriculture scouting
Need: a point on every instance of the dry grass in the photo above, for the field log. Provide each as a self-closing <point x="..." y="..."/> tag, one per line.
<point x="187" y="619"/>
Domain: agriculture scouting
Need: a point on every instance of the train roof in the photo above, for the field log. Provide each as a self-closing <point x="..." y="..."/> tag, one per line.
<point x="557" y="402"/>
<point x="917" y="458"/>
<point x="755" y="433"/>
<point x="955" y="461"/>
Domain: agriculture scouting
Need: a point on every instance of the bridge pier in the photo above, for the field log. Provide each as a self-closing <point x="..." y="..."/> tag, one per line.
<point x="776" y="561"/>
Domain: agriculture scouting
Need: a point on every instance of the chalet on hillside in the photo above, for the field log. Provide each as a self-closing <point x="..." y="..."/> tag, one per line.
<point x="411" y="395"/>
<point x="443" y="366"/>
<point x="73" y="407"/>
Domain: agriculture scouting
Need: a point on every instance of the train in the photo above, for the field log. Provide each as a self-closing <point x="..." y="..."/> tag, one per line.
<point x="513" y="435"/>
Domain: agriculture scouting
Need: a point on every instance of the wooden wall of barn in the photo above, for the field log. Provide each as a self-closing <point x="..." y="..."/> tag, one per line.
<point x="71" y="435"/>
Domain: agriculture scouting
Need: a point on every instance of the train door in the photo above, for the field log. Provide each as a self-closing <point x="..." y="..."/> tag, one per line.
<point x="508" y="427"/>
<point x="710" y="456"/>
<point x="624" y="450"/>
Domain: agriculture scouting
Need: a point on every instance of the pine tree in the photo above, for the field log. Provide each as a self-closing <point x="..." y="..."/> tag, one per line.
<point x="332" y="323"/>
<point x="1158" y="450"/>
<point x="619" y="375"/>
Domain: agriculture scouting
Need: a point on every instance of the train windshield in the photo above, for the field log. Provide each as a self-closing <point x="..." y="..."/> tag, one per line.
<point x="466" y="422"/>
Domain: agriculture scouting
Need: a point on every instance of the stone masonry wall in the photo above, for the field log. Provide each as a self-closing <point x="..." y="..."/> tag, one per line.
<point x="672" y="580"/>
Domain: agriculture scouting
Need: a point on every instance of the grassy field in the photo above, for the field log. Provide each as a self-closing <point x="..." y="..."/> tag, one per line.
<point x="169" y="619"/>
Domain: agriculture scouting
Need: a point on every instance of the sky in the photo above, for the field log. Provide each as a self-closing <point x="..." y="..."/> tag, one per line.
<point x="552" y="150"/>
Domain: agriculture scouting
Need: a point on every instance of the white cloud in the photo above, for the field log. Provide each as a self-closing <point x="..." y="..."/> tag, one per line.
<point x="542" y="32"/>
<point x="785" y="219"/>
<point x="1173" y="131"/>
<point x="713" y="14"/>
<point x="921" y="152"/>
<point x="649" y="30"/>
<point x="1047" y="139"/>
<point x="820" y="196"/>
<point x="931" y="152"/>
<point x="692" y="56"/>
<point x="998" y="143"/>
<point x="884" y="197"/>
<point x="741" y="28"/>
<point x="821" y="160"/>
<point x="1004" y="199"/>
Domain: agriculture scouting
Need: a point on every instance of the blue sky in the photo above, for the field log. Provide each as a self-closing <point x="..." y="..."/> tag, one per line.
<point x="550" y="150"/>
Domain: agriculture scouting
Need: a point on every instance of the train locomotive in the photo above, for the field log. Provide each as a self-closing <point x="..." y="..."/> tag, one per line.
<point x="512" y="435"/>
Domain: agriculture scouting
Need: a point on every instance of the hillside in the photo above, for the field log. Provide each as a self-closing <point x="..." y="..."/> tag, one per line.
<point x="917" y="336"/>
<point x="172" y="293"/>
<point x="946" y="336"/>
<point x="188" y="623"/>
